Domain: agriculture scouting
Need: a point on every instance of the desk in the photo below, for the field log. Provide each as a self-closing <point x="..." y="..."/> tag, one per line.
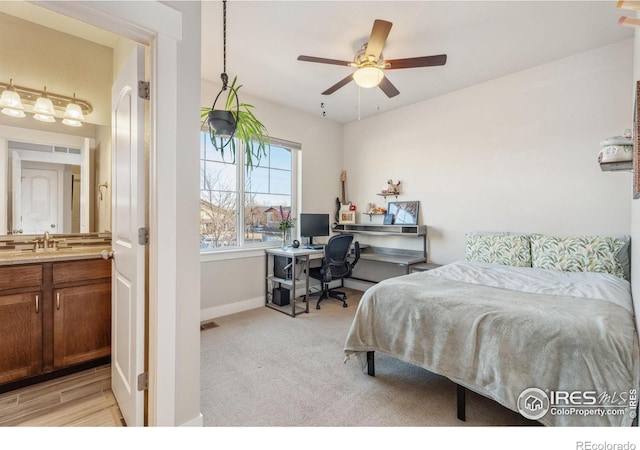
<point x="271" y="281"/>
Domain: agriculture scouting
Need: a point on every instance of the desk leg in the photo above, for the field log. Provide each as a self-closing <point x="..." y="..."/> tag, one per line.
<point x="292" y="294"/>
<point x="266" y="279"/>
<point x="306" y="292"/>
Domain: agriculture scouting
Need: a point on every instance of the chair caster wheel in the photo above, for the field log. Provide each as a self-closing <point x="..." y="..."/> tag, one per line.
<point x="317" y="307"/>
<point x="344" y="305"/>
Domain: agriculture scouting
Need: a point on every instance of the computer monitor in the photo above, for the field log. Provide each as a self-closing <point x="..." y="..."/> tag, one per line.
<point x="312" y="225"/>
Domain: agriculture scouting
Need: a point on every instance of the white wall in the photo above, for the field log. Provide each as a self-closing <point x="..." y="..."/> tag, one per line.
<point x="518" y="153"/>
<point x="321" y="141"/>
<point x="36" y="56"/>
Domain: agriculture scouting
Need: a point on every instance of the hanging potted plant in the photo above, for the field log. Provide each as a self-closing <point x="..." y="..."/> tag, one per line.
<point x="248" y="129"/>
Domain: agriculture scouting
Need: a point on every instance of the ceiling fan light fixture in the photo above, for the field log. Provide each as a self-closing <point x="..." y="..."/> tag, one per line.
<point x="368" y="76"/>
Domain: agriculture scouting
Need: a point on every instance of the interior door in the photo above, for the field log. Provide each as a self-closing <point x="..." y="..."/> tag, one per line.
<point x="128" y="208"/>
<point x="39" y="201"/>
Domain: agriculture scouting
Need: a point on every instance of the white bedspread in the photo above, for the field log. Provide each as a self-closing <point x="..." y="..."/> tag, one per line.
<point x="499" y="330"/>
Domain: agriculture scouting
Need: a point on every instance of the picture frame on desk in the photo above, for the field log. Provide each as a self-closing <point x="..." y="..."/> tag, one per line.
<point x="388" y="219"/>
<point x="346" y="217"/>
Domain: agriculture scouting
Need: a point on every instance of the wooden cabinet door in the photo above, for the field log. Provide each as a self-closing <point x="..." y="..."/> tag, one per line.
<point x="20" y="336"/>
<point x="81" y="324"/>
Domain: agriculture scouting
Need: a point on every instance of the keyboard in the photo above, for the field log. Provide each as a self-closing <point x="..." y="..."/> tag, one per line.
<point x="315" y="247"/>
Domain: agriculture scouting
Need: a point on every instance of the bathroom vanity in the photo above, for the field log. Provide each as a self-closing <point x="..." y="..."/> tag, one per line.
<point x="55" y="312"/>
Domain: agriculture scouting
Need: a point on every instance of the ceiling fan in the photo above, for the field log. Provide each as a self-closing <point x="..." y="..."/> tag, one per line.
<point x="370" y="64"/>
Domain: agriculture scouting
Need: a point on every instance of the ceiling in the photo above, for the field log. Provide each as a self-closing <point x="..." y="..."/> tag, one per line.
<point x="482" y="39"/>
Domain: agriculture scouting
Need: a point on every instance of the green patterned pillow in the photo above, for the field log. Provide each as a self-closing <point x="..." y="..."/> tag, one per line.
<point x="578" y="254"/>
<point x="508" y="250"/>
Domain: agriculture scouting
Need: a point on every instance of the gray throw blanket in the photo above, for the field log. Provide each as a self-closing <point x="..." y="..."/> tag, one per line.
<point x="499" y="342"/>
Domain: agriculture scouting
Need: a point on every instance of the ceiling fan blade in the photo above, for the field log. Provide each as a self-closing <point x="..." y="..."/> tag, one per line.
<point x="378" y="38"/>
<point x="337" y="62"/>
<point x="420" y="61"/>
<point x="629" y="21"/>
<point x="388" y="88"/>
<point x="628" y="5"/>
<point x="338" y="85"/>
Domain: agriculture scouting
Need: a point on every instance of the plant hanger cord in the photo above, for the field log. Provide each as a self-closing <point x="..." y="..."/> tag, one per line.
<point x="224" y="76"/>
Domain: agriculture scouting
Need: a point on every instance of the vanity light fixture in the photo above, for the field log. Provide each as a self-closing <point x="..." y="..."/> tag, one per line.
<point x="73" y="114"/>
<point x="44" y="108"/>
<point x="44" y="105"/>
<point x="11" y="103"/>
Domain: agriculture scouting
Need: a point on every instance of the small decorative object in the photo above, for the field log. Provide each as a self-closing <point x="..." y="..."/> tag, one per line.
<point x="352" y="207"/>
<point x="391" y="188"/>
<point x="404" y="213"/>
<point x="347" y="217"/>
<point x="388" y="219"/>
<point x="286" y="223"/>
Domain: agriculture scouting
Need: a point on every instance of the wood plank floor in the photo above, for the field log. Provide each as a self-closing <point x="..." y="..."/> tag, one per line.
<point x="83" y="399"/>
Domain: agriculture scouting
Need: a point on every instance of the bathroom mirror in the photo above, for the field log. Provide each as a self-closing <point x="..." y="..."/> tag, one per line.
<point x="49" y="182"/>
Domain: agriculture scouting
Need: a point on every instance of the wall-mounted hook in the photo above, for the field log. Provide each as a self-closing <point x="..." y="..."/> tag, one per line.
<point x="100" y="186"/>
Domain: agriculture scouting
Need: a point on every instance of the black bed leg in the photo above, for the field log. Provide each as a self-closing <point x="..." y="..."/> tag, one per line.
<point x="460" y="400"/>
<point x="371" y="367"/>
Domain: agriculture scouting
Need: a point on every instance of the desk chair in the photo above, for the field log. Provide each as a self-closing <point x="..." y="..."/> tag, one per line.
<point x="335" y="266"/>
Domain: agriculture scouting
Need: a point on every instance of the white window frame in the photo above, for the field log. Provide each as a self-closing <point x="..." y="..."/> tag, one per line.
<point x="254" y="250"/>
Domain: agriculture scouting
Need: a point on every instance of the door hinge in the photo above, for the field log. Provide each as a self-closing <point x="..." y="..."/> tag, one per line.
<point x="143" y="381"/>
<point x="143" y="236"/>
<point x="143" y="89"/>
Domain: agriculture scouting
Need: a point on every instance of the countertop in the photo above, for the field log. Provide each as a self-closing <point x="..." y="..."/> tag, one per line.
<point x="66" y="254"/>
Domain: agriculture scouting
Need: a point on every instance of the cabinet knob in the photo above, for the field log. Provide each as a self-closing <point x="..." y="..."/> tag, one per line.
<point x="37" y="303"/>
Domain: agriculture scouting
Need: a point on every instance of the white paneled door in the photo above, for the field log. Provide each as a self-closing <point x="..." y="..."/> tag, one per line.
<point x="128" y="216"/>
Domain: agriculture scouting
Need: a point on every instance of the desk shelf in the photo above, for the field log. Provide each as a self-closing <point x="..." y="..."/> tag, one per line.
<point x="395" y="230"/>
<point x="297" y="255"/>
<point x="388" y="255"/>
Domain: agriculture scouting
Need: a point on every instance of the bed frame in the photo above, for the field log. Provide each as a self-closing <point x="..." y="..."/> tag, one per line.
<point x="460" y="390"/>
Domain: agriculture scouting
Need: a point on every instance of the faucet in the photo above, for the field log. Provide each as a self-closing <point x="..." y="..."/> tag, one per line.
<point x="46" y="240"/>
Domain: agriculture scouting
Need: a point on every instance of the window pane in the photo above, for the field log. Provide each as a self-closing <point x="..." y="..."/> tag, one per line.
<point x="257" y="180"/>
<point x="267" y="187"/>
<point x="219" y="176"/>
<point x="280" y="158"/>
<point x="217" y="219"/>
<point x="213" y="154"/>
<point x="280" y="182"/>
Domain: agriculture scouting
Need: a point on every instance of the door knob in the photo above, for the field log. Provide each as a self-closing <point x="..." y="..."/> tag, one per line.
<point x="108" y="254"/>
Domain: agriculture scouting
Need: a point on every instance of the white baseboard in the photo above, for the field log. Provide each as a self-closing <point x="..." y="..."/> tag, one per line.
<point x="230" y="308"/>
<point x="359" y="285"/>
<point x="258" y="302"/>
<point x="196" y="422"/>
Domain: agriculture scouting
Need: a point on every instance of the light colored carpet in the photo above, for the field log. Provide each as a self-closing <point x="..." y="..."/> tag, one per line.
<point x="264" y="368"/>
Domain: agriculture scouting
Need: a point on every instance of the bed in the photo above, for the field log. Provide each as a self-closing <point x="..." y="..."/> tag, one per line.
<point x="515" y="333"/>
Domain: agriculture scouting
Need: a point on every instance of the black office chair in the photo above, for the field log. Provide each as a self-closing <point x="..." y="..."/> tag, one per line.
<point x="335" y="266"/>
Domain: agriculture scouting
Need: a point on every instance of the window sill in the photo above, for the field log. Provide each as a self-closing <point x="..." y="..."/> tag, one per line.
<point x="236" y="253"/>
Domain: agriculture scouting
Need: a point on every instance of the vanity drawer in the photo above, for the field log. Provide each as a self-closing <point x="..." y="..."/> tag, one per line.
<point x="71" y="271"/>
<point x="20" y="276"/>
